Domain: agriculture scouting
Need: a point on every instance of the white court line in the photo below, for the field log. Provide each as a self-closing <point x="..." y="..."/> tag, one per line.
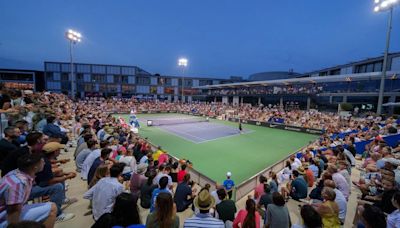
<point x="180" y="135"/>
<point x="228" y="136"/>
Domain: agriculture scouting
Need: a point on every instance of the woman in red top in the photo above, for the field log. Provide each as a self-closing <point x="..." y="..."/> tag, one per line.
<point x="248" y="218"/>
<point x="181" y="173"/>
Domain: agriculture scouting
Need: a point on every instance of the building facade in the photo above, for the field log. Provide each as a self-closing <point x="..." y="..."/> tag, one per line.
<point x="357" y="83"/>
<point x="122" y="81"/>
<point x="22" y="79"/>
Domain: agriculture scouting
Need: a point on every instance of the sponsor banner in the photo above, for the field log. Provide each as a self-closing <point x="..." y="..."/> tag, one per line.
<point x="279" y="126"/>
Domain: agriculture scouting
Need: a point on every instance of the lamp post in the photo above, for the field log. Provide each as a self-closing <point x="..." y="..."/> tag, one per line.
<point x="73" y="37"/>
<point x="380" y="6"/>
<point x="182" y="62"/>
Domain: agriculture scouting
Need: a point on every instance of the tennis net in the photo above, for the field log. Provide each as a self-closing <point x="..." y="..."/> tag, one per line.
<point x="174" y="121"/>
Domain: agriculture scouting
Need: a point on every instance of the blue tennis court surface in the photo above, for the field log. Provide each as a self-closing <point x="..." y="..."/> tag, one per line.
<point x="199" y="132"/>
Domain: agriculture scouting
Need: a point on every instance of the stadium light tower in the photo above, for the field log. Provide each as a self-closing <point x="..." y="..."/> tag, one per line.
<point x="73" y="37"/>
<point x="183" y="62"/>
<point x="382" y="6"/>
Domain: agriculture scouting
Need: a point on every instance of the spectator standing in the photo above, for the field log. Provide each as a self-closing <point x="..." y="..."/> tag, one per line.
<point x="229" y="184"/>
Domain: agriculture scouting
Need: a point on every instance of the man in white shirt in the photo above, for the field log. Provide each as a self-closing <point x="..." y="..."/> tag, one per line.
<point x="103" y="194"/>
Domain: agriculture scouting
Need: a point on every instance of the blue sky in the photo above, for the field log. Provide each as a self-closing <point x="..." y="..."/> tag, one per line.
<point x="219" y="37"/>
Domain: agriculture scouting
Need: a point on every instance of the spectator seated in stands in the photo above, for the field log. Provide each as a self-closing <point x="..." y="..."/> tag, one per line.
<point x="329" y="210"/>
<point x="297" y="188"/>
<point x="15" y="187"/>
<point x="80" y="159"/>
<point x="125" y="213"/>
<point x="138" y="179"/>
<point x="102" y="160"/>
<point x="147" y="189"/>
<point x="248" y="217"/>
<point x="87" y="164"/>
<point x="277" y="212"/>
<point x="339" y="199"/>
<point x="184" y="194"/>
<point x="35" y="143"/>
<point x="310" y="218"/>
<point x="7" y="143"/>
<point x="52" y="183"/>
<point x="163" y="187"/>
<point x="203" y="202"/>
<point x="103" y="194"/>
<point x="164" y="214"/>
<point x="53" y="130"/>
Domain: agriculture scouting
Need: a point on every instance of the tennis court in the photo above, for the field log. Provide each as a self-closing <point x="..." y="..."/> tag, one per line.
<point x="194" y="129"/>
<point x="221" y="147"/>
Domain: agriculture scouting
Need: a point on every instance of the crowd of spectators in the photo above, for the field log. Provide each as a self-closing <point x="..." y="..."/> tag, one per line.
<point x="263" y="90"/>
<point x="123" y="172"/>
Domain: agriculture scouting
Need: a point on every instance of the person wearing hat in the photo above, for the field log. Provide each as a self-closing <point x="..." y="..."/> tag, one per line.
<point x="204" y="202"/>
<point x="138" y="179"/>
<point x="52" y="183"/>
<point x="229" y="184"/>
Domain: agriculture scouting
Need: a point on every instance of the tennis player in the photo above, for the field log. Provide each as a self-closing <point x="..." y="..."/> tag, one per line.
<point x="240" y="127"/>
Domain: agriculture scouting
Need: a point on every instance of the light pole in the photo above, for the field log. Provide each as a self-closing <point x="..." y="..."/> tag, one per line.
<point x="73" y="37"/>
<point x="182" y="62"/>
<point x="384" y="5"/>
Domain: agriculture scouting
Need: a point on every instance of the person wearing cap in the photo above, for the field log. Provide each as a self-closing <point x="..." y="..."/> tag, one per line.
<point x="53" y="184"/>
<point x="204" y="202"/>
<point x="229" y="184"/>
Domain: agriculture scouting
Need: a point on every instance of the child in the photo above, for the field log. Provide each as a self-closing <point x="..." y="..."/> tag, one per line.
<point x="229" y="184"/>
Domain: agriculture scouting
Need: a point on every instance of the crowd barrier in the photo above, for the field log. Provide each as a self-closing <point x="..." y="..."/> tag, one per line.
<point x="391" y="140"/>
<point x="249" y="185"/>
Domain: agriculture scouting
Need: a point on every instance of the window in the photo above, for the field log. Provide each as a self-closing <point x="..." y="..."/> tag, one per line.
<point x="370" y="67"/>
<point x="65" y="86"/>
<point x="89" y="87"/>
<point x="335" y="72"/>
<point x="168" y="81"/>
<point x="117" y="79"/>
<point x="124" y="79"/>
<point x="378" y="67"/>
<point x="142" y="80"/>
<point x="79" y="77"/>
<point x="52" y="67"/>
<point x="98" y="78"/>
<point x="205" y="82"/>
<point x="49" y="76"/>
<point x="325" y="73"/>
<point x="128" y="89"/>
<point x="112" y="88"/>
<point x="64" y="77"/>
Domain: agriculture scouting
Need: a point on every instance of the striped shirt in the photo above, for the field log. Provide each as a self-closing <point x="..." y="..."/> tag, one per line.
<point x="15" y="188"/>
<point x="203" y="221"/>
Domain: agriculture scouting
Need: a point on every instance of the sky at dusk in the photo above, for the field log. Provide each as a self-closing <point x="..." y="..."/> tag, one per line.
<point x="220" y="38"/>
